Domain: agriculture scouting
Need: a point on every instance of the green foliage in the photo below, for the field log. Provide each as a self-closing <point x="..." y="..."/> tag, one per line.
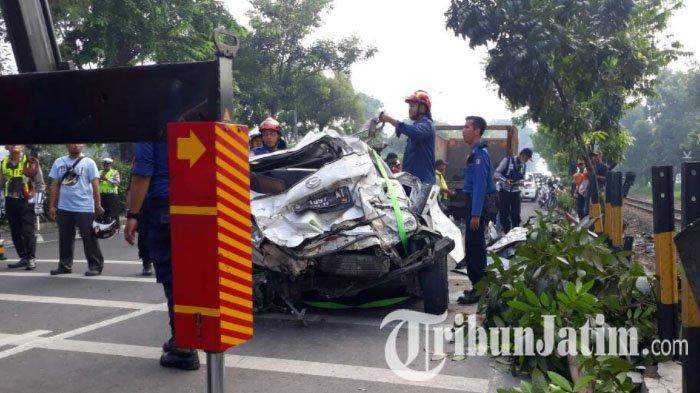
<point x="109" y="33"/>
<point x="277" y="70"/>
<point x="572" y="64"/>
<point x="564" y="200"/>
<point x="666" y="125"/>
<point x="572" y="275"/>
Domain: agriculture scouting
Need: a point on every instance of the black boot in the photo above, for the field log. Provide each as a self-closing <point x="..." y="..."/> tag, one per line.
<point x="61" y="270"/>
<point x="147" y="269"/>
<point x="22" y="263"/>
<point x="182" y="358"/>
<point x="469" y="297"/>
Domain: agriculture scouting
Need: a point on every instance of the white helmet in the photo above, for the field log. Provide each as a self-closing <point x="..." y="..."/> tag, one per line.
<point x="104" y="229"/>
<point x="253" y="134"/>
<point x="107" y="160"/>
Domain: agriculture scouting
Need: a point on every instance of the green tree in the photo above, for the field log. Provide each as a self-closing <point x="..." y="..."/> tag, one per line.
<point x="666" y="127"/>
<point x="276" y="64"/>
<point x="572" y="64"/>
<point x="111" y="33"/>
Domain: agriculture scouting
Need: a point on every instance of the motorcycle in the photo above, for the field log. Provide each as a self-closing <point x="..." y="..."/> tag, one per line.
<point x="547" y="198"/>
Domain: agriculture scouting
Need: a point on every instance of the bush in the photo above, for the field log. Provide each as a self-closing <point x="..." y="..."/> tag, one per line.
<point x="569" y="273"/>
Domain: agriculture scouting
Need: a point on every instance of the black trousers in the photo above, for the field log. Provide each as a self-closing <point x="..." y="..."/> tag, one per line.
<point x="475" y="246"/>
<point x="158" y="219"/>
<point x="22" y="220"/>
<point x="509" y="209"/>
<point x="142" y="243"/>
<point x="67" y="222"/>
<point x="581" y="206"/>
<point x="110" y="202"/>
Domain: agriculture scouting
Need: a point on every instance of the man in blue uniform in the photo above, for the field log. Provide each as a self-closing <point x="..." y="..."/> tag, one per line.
<point x="150" y="181"/>
<point x="509" y="174"/>
<point x="479" y="190"/>
<point x="419" y="156"/>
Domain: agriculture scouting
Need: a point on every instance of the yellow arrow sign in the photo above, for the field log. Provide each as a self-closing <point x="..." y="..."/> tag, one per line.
<point x="190" y="148"/>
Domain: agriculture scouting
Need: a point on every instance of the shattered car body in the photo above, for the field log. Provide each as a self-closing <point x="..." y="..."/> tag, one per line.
<point x="326" y="222"/>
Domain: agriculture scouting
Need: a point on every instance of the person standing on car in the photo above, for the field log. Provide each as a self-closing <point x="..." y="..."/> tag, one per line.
<point x="509" y="174"/>
<point x="271" y="132"/>
<point x="109" y="189"/>
<point x="150" y="182"/>
<point x="21" y="180"/>
<point x="75" y="202"/>
<point x="480" y="191"/>
<point x="419" y="156"/>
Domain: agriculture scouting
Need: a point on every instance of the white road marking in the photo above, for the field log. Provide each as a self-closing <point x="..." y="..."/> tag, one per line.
<point x="79" y="277"/>
<point x="11" y="297"/>
<point x="107" y="261"/>
<point x="19" y="339"/>
<point x="288" y="366"/>
<point x="36" y="342"/>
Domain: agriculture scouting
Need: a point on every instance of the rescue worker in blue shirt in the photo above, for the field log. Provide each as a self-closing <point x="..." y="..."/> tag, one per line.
<point x="271" y="132"/>
<point x="479" y="189"/>
<point x="510" y="173"/>
<point x="150" y="182"/>
<point x="419" y="156"/>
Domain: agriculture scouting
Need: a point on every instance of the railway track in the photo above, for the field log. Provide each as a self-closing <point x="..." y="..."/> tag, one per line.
<point x="648" y="206"/>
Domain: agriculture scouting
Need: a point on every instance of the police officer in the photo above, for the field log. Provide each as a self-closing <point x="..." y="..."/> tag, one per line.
<point x="419" y="156"/>
<point x="150" y="181"/>
<point x="271" y="132"/>
<point x="440" y="168"/>
<point x="109" y="189"/>
<point x="480" y="192"/>
<point x="21" y="179"/>
<point x="509" y="174"/>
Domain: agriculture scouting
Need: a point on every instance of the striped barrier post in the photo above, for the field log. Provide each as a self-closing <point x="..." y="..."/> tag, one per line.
<point x="614" y="213"/>
<point x="690" y="316"/>
<point x="595" y="210"/>
<point x="211" y="239"/>
<point x="607" y="214"/>
<point x="666" y="269"/>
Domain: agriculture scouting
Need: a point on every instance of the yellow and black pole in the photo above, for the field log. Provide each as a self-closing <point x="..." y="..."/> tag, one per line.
<point x="595" y="210"/>
<point x="613" y="210"/>
<point x="607" y="222"/>
<point x="666" y="270"/>
<point x="688" y="241"/>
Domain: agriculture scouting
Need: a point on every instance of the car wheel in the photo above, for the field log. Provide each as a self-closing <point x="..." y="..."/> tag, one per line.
<point x="433" y="280"/>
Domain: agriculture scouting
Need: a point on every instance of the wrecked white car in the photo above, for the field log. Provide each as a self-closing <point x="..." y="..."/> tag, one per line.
<point x="332" y="221"/>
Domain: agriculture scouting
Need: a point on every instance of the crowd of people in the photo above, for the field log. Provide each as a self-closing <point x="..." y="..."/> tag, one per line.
<point x="80" y="197"/>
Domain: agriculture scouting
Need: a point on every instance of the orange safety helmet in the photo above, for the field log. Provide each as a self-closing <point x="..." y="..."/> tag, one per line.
<point x="420" y="96"/>
<point x="270" y="124"/>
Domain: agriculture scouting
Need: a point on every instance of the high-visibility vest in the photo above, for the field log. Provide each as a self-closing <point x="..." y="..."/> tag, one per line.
<point x="442" y="183"/>
<point x="11" y="174"/>
<point x="106" y="187"/>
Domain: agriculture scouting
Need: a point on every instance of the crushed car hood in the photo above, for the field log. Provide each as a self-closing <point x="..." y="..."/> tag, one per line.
<point x="286" y="183"/>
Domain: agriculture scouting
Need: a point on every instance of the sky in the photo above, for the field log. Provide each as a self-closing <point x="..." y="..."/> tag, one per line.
<point x="415" y="51"/>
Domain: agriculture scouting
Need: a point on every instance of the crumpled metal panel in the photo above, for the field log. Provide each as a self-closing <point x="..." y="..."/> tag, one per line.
<point x="515" y="235"/>
<point x="275" y="216"/>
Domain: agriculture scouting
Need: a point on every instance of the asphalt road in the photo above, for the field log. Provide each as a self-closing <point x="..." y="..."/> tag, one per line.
<point x="76" y="334"/>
